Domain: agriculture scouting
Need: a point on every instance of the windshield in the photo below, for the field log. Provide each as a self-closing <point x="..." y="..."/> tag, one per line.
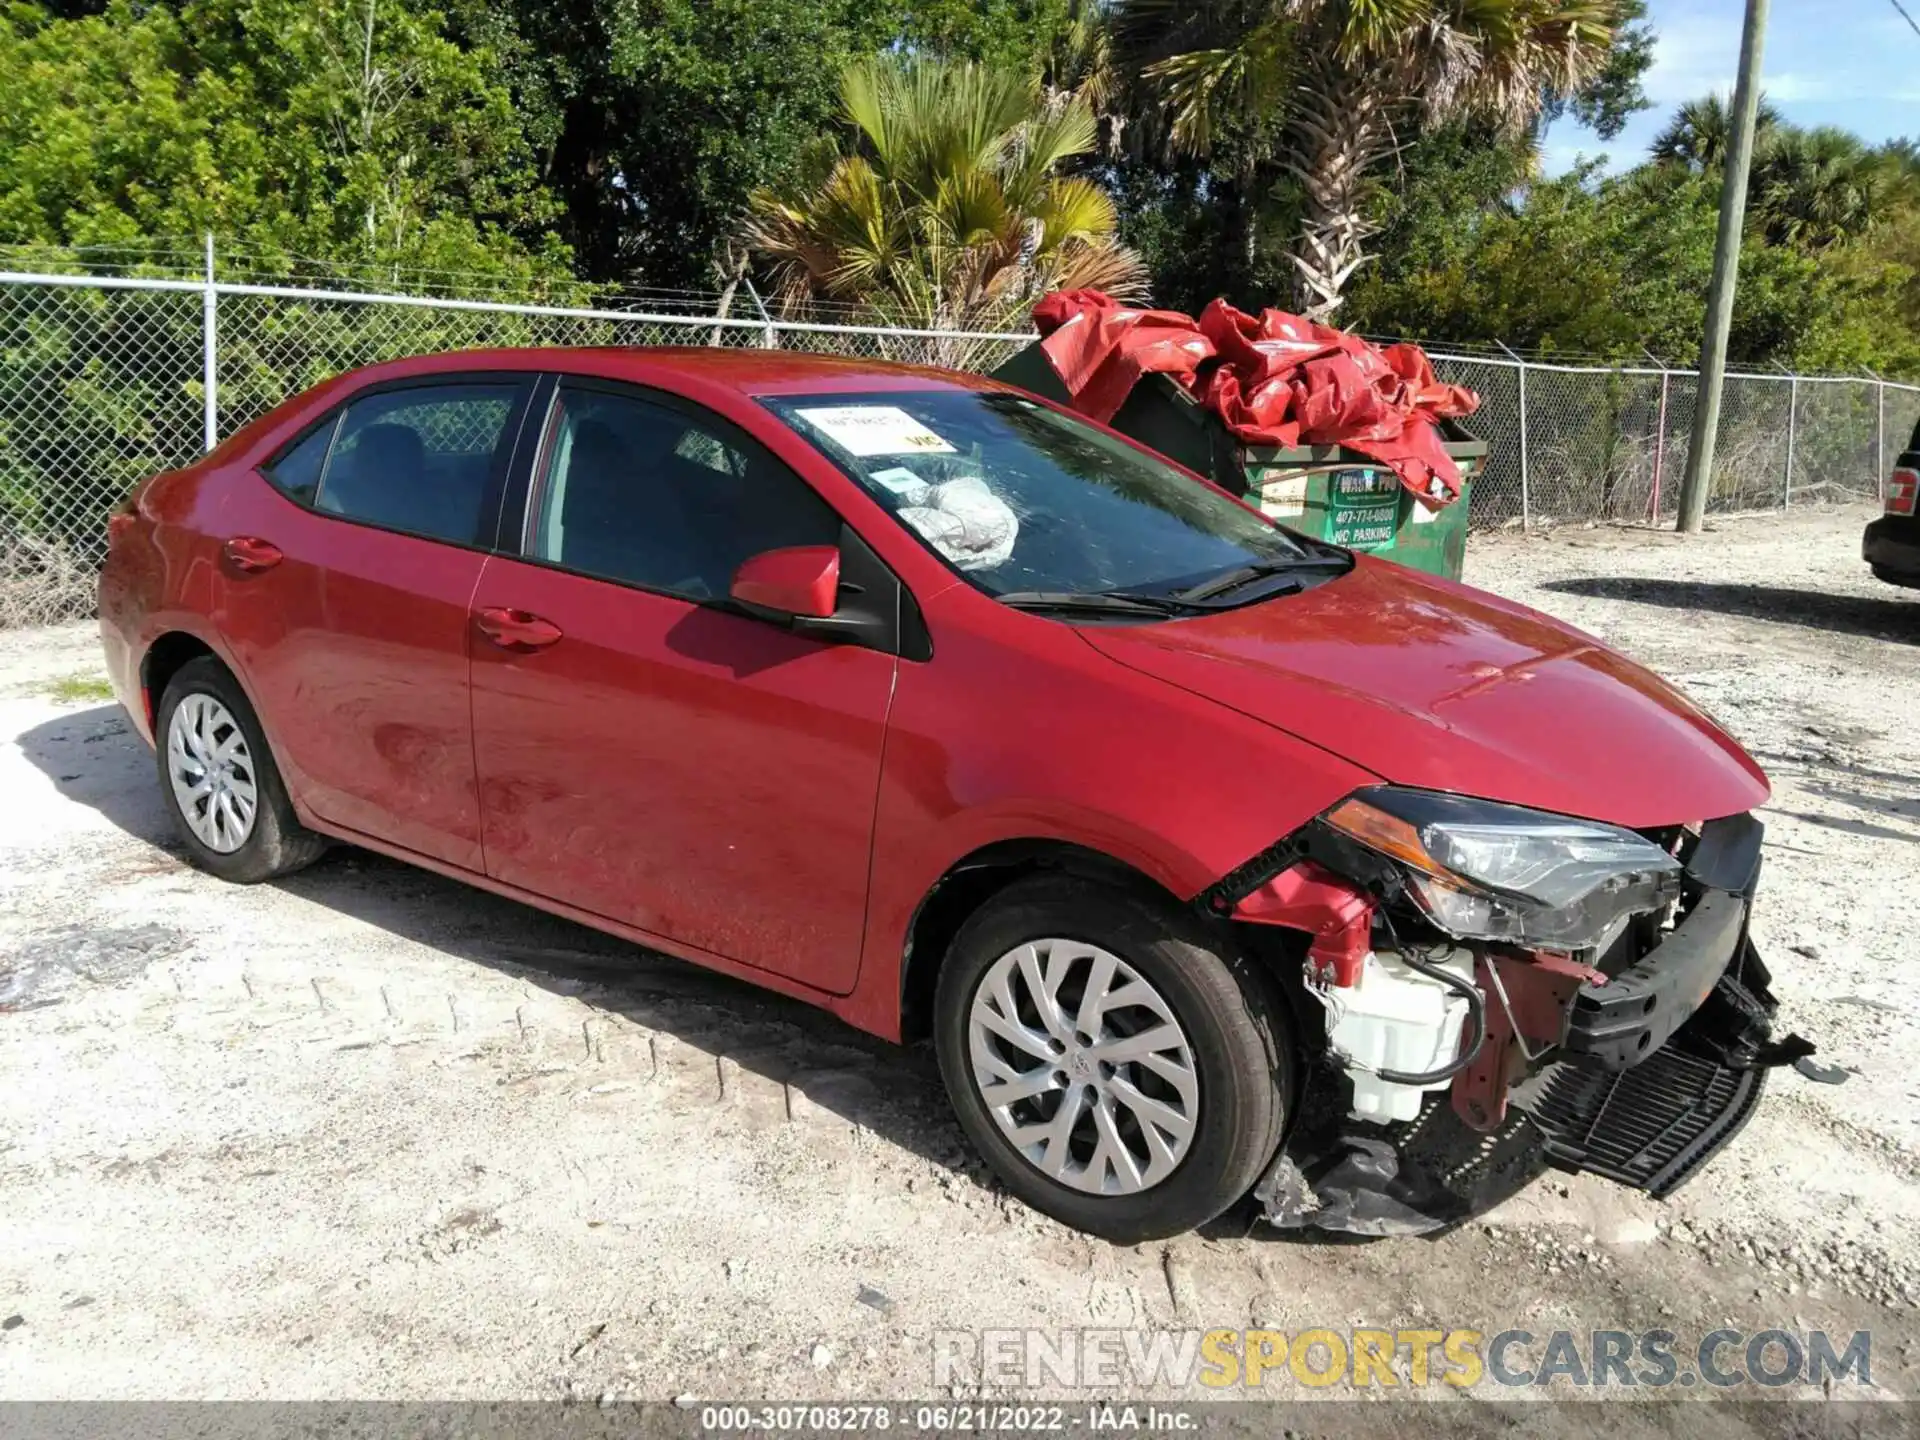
<point x="1020" y="498"/>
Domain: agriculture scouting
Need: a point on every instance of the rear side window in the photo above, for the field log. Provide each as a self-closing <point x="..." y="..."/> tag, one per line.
<point x="420" y="459"/>
<point x="655" y="496"/>
<point x="297" y="472"/>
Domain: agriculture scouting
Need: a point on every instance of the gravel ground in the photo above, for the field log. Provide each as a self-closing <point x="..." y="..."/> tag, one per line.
<point x="368" y="1133"/>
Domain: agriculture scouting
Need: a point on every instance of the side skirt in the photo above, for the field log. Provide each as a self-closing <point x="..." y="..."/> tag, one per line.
<point x="765" y="979"/>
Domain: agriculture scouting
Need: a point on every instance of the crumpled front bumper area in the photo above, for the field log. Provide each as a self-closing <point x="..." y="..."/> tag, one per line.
<point x="1640" y="1077"/>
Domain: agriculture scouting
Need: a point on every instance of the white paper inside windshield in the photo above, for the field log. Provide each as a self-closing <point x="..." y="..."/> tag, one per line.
<point x="864" y="430"/>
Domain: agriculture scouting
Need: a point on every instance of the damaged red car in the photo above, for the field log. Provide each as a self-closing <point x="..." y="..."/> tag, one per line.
<point x="1214" y="860"/>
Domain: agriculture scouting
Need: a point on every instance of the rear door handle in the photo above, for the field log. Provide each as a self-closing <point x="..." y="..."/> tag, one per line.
<point x="249" y="554"/>
<point x="512" y="629"/>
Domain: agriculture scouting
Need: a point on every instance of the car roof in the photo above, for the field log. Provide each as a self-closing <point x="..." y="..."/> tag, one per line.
<point x="749" y="371"/>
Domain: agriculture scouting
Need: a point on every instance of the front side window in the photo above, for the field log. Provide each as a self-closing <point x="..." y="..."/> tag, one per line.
<point x="650" y="495"/>
<point x="420" y="459"/>
<point x="1020" y="498"/>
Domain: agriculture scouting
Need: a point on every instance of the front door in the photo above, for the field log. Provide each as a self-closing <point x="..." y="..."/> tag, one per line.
<point x="353" y="634"/>
<point x="646" y="751"/>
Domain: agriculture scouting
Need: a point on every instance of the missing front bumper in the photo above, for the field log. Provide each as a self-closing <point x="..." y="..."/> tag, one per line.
<point x="1651" y="1124"/>
<point x="1640" y="1075"/>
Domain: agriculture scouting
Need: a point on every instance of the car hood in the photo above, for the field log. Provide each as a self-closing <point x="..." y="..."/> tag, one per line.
<point x="1433" y="684"/>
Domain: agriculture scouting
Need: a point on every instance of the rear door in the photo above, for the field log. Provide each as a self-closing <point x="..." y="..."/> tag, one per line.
<point x="348" y="580"/>
<point x="647" y="751"/>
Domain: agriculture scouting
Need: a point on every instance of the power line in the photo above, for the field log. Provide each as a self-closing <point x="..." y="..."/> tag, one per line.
<point x="1905" y="16"/>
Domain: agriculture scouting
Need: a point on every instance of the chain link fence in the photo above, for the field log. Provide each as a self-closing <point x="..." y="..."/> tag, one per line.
<point x="106" y="380"/>
<point x="1573" y="444"/>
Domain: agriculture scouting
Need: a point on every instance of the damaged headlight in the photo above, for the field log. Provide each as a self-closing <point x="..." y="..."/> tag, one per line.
<point x="1484" y="871"/>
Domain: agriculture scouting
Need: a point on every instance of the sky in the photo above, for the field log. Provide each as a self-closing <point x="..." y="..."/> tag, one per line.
<point x="1852" y="63"/>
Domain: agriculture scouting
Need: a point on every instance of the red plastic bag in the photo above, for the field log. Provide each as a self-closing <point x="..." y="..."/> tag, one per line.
<point x="1273" y="380"/>
<point x="1099" y="348"/>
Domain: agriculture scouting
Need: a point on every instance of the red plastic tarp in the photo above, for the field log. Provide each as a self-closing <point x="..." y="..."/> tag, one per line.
<point x="1273" y="380"/>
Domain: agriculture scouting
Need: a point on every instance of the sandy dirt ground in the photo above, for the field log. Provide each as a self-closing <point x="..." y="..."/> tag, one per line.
<point x="368" y="1133"/>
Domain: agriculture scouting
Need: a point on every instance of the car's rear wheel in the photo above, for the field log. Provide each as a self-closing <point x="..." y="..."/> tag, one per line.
<point x="220" y="782"/>
<point x="1119" y="1064"/>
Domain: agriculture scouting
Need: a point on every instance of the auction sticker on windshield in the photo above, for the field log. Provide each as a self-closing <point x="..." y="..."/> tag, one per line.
<point x="863" y="430"/>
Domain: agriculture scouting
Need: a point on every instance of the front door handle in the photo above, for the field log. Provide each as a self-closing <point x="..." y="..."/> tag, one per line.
<point x="512" y="629"/>
<point x="249" y="554"/>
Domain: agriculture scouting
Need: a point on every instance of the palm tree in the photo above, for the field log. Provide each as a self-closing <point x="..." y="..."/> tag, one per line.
<point x="1697" y="136"/>
<point x="1814" y="188"/>
<point x="1809" y="188"/>
<point x="1345" y="79"/>
<point x="946" y="211"/>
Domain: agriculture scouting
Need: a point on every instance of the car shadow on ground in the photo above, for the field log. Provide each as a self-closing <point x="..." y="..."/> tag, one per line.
<point x="95" y="759"/>
<point x="1892" y="617"/>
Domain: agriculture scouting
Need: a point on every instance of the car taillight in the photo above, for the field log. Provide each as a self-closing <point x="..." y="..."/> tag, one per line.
<point x="1900" y="491"/>
<point x="121" y="519"/>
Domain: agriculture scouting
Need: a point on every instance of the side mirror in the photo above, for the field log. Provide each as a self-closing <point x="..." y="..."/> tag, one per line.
<point x="801" y="580"/>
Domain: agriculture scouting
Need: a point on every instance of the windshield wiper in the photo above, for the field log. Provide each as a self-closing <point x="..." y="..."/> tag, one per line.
<point x="1095" y="602"/>
<point x="1231" y="580"/>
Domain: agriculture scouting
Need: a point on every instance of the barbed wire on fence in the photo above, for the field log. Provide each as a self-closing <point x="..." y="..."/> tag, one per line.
<point x="107" y="378"/>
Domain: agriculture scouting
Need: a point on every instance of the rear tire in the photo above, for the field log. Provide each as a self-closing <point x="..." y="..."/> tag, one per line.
<point x="219" y="781"/>
<point x="1219" y="1072"/>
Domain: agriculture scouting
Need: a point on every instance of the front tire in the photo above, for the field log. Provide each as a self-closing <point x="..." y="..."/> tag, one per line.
<point x="1119" y="1064"/>
<point x="219" y="781"/>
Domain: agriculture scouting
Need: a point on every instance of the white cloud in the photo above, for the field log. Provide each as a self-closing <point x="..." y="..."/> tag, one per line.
<point x="1692" y="54"/>
<point x="1791" y="86"/>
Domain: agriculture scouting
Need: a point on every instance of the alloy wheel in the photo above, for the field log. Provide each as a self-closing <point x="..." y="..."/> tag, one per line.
<point x="212" y="773"/>
<point x="1083" y="1066"/>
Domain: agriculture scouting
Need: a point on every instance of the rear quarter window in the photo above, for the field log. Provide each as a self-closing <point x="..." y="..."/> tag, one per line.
<point x="296" y="471"/>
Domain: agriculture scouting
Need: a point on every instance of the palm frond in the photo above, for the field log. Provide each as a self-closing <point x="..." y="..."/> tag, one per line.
<point x="1099" y="265"/>
<point x="951" y="211"/>
<point x="1074" y="209"/>
<point x="970" y="208"/>
<point x="1197" y="87"/>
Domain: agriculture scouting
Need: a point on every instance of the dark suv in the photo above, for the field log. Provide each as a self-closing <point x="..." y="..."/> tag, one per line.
<point x="1892" y="543"/>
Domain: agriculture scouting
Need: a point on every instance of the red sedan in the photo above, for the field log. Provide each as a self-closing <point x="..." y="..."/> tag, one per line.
<point x="922" y="700"/>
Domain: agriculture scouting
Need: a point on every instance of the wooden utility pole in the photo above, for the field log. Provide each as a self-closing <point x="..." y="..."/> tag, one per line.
<point x="1726" y="269"/>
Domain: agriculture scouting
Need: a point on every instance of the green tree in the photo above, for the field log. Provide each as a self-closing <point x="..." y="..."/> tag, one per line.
<point x="1344" y="78"/>
<point x="1815" y="188"/>
<point x="1590" y="267"/>
<point x="654" y="120"/>
<point x="1697" y="136"/>
<point x="948" y="210"/>
<point x="1811" y="188"/>
<point x="348" y="131"/>
<point x="1614" y="93"/>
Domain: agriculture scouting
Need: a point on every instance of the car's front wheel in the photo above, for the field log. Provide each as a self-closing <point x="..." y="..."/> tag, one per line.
<point x="220" y="782"/>
<point x="1119" y="1064"/>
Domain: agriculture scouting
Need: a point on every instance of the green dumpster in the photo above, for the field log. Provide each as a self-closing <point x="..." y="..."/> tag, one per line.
<point x="1325" y="491"/>
<point x="1338" y="495"/>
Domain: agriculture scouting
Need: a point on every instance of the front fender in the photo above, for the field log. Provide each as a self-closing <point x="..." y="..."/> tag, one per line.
<point x="992" y="743"/>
